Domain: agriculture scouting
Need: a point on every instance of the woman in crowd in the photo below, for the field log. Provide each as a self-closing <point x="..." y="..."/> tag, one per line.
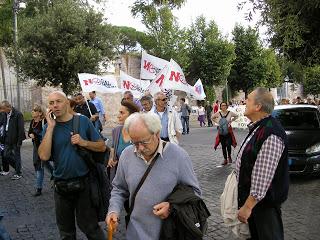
<point x="120" y="139"/>
<point x="225" y="136"/>
<point x="35" y="130"/>
<point x="201" y="115"/>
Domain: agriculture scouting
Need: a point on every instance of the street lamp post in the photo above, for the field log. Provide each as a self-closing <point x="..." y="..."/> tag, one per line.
<point x="16" y="6"/>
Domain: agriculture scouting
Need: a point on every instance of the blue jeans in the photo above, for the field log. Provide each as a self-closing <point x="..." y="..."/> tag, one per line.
<point x="185" y="123"/>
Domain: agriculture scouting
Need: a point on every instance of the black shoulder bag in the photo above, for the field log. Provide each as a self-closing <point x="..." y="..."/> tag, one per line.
<point x="126" y="204"/>
<point x="100" y="187"/>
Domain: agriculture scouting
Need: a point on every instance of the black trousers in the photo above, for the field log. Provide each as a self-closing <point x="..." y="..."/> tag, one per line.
<point x="265" y="223"/>
<point x="226" y="142"/>
<point x="69" y="207"/>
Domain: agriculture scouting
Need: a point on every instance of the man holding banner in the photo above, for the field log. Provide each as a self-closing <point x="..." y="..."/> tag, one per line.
<point x="171" y="124"/>
<point x="86" y="108"/>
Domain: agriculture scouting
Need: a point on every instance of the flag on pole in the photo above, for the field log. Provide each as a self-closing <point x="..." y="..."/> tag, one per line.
<point x="103" y="84"/>
<point x="136" y="86"/>
<point x="151" y="66"/>
<point x="198" y="91"/>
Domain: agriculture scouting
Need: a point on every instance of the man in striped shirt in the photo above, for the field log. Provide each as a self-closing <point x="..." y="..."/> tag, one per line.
<point x="262" y="169"/>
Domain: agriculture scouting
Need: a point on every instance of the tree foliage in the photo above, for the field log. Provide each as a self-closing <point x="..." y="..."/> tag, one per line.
<point x="163" y="37"/>
<point x="253" y="66"/>
<point x="66" y="39"/>
<point x="210" y="55"/>
<point x="312" y="83"/>
<point x="293" y="26"/>
<point x="6" y="16"/>
<point x="127" y="38"/>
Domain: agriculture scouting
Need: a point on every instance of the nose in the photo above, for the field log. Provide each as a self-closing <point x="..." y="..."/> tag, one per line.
<point x="140" y="147"/>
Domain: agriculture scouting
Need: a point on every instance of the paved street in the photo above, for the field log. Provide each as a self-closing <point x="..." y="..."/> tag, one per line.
<point x="27" y="217"/>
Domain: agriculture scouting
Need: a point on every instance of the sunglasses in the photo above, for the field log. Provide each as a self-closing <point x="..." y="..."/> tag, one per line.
<point x="163" y="100"/>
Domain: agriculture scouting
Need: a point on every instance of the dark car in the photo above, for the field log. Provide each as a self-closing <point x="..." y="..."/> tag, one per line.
<point x="302" y="125"/>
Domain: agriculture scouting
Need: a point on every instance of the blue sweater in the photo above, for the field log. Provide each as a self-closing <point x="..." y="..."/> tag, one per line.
<point x="172" y="168"/>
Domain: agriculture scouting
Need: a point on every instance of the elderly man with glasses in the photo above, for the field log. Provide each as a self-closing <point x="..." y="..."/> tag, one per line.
<point x="171" y="165"/>
<point x="171" y="124"/>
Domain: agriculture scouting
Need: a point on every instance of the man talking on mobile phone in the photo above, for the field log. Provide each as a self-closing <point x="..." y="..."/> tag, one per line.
<point x="72" y="188"/>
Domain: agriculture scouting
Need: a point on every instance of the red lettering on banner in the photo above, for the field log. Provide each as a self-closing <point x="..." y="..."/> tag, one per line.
<point x="176" y="76"/>
<point x="147" y="65"/>
<point x="126" y="84"/>
<point x="159" y="81"/>
<point x="87" y="82"/>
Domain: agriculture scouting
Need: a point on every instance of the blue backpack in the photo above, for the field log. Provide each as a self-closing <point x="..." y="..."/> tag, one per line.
<point x="223" y="125"/>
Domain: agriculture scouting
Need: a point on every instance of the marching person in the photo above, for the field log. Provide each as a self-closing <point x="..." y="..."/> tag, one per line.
<point x="171" y="165"/>
<point x="225" y="136"/>
<point x="35" y="133"/>
<point x="72" y="194"/>
<point x="171" y="124"/>
<point x="14" y="134"/>
<point x="262" y="169"/>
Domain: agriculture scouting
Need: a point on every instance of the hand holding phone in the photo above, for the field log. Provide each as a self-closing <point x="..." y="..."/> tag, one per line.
<point x="53" y="116"/>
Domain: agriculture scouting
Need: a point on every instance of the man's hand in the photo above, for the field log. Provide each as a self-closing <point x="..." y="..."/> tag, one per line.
<point x="162" y="210"/>
<point x="112" y="220"/>
<point x="244" y="214"/>
<point x="112" y="163"/>
<point x="50" y="121"/>
<point x="77" y="140"/>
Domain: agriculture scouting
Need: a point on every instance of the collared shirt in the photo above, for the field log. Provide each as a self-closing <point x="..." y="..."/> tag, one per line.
<point x="265" y="165"/>
<point x="98" y="104"/>
<point x="8" y="119"/>
<point x="160" y="150"/>
<point x="164" y="122"/>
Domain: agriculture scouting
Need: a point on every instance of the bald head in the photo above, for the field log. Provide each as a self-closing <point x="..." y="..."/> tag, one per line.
<point x="62" y="94"/>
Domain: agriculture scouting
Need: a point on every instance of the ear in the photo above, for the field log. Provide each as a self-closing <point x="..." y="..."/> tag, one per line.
<point x="258" y="107"/>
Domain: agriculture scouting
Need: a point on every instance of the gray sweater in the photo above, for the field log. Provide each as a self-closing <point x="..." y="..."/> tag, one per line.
<point x="170" y="169"/>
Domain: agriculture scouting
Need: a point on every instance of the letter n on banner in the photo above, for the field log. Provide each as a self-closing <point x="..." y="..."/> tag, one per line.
<point x="175" y="75"/>
<point x="126" y="84"/>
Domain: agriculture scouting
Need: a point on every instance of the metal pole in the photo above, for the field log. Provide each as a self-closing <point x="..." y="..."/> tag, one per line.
<point x="15" y="34"/>
<point x="227" y="94"/>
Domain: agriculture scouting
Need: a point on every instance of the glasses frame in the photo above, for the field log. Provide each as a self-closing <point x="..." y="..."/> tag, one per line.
<point x="143" y="143"/>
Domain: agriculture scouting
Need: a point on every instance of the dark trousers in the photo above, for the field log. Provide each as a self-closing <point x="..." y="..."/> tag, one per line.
<point x="11" y="156"/>
<point x="265" y="223"/>
<point x="185" y="123"/>
<point x="209" y="120"/>
<point x="69" y="207"/>
<point x="226" y="142"/>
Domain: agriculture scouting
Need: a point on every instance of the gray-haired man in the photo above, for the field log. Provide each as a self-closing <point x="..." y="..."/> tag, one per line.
<point x="173" y="165"/>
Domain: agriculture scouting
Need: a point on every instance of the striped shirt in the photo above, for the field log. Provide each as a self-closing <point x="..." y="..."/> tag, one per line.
<point x="265" y="165"/>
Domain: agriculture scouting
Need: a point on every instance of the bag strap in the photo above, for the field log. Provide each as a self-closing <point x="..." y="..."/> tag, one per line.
<point x="75" y="128"/>
<point x="142" y="181"/>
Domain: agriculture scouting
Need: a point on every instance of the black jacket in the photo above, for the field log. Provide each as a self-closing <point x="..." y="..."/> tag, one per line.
<point x="188" y="218"/>
<point x="16" y="133"/>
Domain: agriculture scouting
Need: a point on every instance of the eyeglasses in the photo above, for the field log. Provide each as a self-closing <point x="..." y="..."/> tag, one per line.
<point x="163" y="99"/>
<point x="143" y="143"/>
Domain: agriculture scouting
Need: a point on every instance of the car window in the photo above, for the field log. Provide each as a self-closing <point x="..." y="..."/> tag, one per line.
<point x="297" y="118"/>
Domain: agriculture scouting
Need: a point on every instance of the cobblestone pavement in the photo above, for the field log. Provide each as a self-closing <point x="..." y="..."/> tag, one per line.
<point x="27" y="217"/>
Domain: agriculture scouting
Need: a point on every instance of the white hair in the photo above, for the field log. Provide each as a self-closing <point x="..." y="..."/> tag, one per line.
<point x="158" y="94"/>
<point x="150" y="119"/>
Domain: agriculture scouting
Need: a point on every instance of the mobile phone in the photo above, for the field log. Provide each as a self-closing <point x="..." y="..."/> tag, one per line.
<point x="53" y="116"/>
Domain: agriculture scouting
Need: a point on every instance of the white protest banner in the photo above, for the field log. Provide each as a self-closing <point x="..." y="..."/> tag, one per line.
<point x="136" y="86"/>
<point x="103" y="84"/>
<point x="151" y="66"/>
<point x="199" y="93"/>
<point x="156" y="85"/>
<point x="175" y="79"/>
<point x="242" y="121"/>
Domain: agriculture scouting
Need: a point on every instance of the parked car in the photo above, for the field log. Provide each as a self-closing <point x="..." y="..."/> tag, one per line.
<point x="302" y="125"/>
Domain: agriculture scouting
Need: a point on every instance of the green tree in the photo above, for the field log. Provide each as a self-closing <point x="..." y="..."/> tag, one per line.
<point x="163" y="37"/>
<point x="6" y="16"/>
<point x="210" y="55"/>
<point x="67" y="39"/>
<point x="293" y="27"/>
<point x="312" y="83"/>
<point x="253" y="66"/>
<point x="127" y="39"/>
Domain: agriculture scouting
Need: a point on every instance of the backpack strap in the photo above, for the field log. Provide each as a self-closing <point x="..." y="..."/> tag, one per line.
<point x="75" y="124"/>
